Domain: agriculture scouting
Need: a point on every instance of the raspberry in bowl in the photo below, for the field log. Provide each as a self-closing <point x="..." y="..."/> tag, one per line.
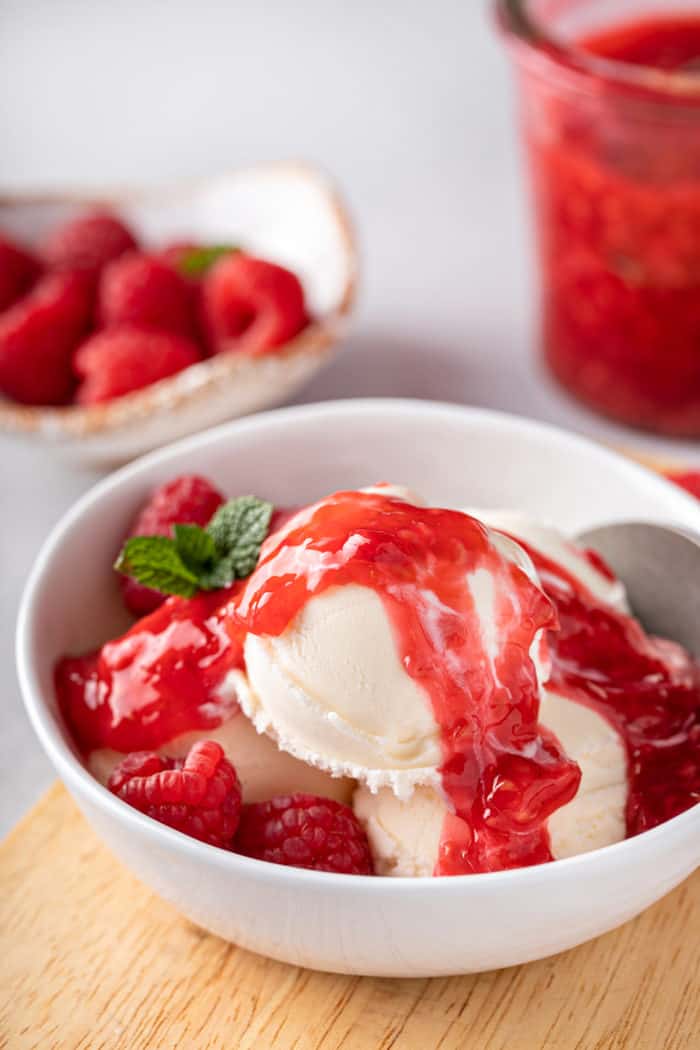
<point x="199" y="303"/>
<point x="288" y="654"/>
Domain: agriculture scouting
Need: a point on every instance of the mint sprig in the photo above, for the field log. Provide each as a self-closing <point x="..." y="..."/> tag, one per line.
<point x="196" y="261"/>
<point x="156" y="562"/>
<point x="197" y="559"/>
<point x="238" y="528"/>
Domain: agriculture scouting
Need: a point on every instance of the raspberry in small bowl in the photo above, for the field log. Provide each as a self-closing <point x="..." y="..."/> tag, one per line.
<point x="204" y="302"/>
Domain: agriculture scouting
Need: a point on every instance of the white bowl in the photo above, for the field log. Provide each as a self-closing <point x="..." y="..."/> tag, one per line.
<point x="352" y="924"/>
<point x="289" y="213"/>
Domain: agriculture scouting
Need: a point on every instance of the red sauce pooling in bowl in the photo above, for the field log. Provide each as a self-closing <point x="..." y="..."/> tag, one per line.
<point x="503" y="772"/>
<point x="162" y="678"/>
<point x="616" y="175"/>
<point x="647" y="688"/>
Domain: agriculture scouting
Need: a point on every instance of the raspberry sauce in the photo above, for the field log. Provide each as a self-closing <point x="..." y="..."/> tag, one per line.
<point x="162" y="678"/>
<point x="647" y="688"/>
<point x="669" y="43"/>
<point x="503" y="772"/>
<point x="615" y="165"/>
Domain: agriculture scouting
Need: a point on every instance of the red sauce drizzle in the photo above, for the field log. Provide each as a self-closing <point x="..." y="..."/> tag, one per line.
<point x="162" y="678"/>
<point x="157" y="681"/>
<point x="503" y="772"/>
<point x="647" y="688"/>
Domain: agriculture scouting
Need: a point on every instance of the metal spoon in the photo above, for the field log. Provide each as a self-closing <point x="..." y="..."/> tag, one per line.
<point x="660" y="567"/>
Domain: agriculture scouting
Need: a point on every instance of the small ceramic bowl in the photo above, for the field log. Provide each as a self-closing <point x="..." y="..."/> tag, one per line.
<point x="355" y="924"/>
<point x="286" y="212"/>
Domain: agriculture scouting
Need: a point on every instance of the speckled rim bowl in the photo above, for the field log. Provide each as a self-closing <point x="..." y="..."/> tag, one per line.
<point x="288" y="212"/>
<point x="352" y="924"/>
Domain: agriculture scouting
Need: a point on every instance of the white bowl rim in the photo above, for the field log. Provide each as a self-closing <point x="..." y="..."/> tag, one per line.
<point x="73" y="772"/>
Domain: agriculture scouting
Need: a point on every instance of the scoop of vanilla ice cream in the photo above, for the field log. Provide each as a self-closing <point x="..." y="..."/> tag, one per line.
<point x="407" y="844"/>
<point x="263" y="770"/>
<point x="404" y="836"/>
<point x="552" y="543"/>
<point x="332" y="690"/>
<point x="595" y="817"/>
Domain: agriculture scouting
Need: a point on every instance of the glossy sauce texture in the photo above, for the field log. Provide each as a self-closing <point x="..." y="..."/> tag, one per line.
<point x="616" y="176"/>
<point x="160" y="679"/>
<point x="647" y="688"/>
<point x="164" y="677"/>
<point x="503" y="773"/>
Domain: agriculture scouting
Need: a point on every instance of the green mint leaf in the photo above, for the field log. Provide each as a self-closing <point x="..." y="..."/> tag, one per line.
<point x="155" y="562"/>
<point x="200" y="559"/>
<point x="196" y="548"/>
<point x="196" y="261"/>
<point x="222" y="574"/>
<point x="238" y="529"/>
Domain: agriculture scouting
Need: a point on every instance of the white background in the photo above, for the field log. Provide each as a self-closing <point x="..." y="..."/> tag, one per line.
<point x="407" y="103"/>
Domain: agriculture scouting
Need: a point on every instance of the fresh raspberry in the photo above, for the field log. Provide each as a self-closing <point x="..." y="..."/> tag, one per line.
<point x="117" y="361"/>
<point x="145" y="291"/>
<point x="251" y="305"/>
<point x="38" y="336"/>
<point x="88" y="242"/>
<point x="305" y="831"/>
<point x="188" y="500"/>
<point x="200" y="796"/>
<point x="18" y="272"/>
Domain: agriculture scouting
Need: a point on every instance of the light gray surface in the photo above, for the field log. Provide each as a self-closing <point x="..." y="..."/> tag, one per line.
<point x="408" y="104"/>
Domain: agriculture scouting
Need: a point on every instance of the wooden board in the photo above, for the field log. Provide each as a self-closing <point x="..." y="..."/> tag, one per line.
<point x="91" y="960"/>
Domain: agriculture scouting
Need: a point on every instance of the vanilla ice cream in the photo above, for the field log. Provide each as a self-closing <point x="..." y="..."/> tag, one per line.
<point x="559" y="548"/>
<point x="331" y="689"/>
<point x="263" y="770"/>
<point x="405" y="834"/>
<point x="471" y="682"/>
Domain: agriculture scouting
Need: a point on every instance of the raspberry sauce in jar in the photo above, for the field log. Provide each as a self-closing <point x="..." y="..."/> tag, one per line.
<point x="610" y="106"/>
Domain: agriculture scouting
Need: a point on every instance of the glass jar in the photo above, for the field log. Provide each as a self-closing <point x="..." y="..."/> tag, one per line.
<point x="609" y="96"/>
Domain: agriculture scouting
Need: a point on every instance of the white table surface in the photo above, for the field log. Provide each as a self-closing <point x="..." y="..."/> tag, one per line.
<point x="408" y="104"/>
